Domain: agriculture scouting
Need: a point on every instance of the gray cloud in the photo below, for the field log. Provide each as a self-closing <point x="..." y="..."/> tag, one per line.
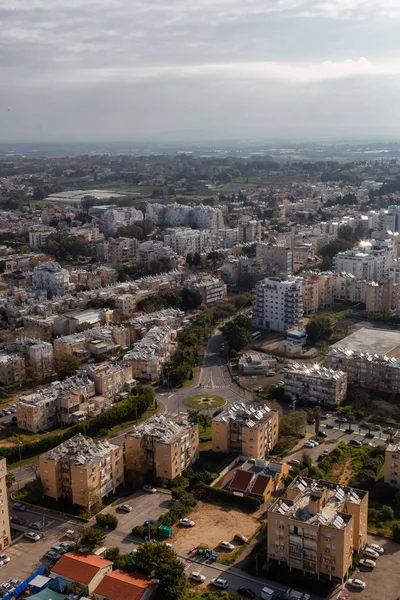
<point x="118" y="68"/>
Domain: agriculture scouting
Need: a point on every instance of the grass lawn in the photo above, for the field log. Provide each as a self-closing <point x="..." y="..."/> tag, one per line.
<point x="204" y="401"/>
<point x="205" y="434"/>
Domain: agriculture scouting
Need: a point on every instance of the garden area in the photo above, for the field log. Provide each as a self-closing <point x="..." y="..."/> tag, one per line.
<point x="205" y="401"/>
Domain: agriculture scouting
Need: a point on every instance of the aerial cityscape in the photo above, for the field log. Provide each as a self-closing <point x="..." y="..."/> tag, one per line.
<point x="199" y="300"/>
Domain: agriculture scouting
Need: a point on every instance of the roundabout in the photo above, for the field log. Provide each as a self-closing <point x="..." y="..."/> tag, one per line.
<point x="204" y="401"/>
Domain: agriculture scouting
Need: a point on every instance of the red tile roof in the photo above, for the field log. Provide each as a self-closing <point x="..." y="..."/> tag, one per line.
<point x="80" y="566"/>
<point x="119" y="585"/>
<point x="260" y="485"/>
<point x="241" y="480"/>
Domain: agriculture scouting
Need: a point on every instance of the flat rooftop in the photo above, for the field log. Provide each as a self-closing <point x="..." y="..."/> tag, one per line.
<point x="372" y="341"/>
<point x="81" y="450"/>
<point x="162" y="429"/>
<point x="242" y="413"/>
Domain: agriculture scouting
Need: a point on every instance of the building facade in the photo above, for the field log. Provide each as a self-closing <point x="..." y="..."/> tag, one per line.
<point x="5" y="534"/>
<point x="315" y="384"/>
<point x="278" y="304"/>
<point x="392" y="465"/>
<point x="52" y="278"/>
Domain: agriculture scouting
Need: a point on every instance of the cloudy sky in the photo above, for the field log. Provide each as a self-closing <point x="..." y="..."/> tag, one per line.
<point x="199" y="69"/>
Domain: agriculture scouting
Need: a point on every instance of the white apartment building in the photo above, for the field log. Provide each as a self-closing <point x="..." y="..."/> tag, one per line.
<point x="392" y="465"/>
<point x="370" y="260"/>
<point x="394" y="270"/>
<point x="316" y="384"/>
<point x="392" y="219"/>
<point x="226" y="238"/>
<point x="234" y="267"/>
<point x="52" y="278"/>
<point x="178" y="215"/>
<point x="153" y="250"/>
<point x="211" y="290"/>
<point x="37" y="239"/>
<point x="274" y="260"/>
<point x="278" y="304"/>
<point x="188" y="241"/>
<point x="113" y="218"/>
<point x="350" y="289"/>
<point x="250" y="231"/>
<point x="206" y="217"/>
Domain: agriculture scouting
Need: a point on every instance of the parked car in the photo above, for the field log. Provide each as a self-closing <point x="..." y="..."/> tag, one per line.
<point x="52" y="555"/>
<point x="32" y="535"/>
<point x="19" y="506"/>
<point x="371" y="553"/>
<point x="294" y="462"/>
<point x="219" y="583"/>
<point x="324" y="416"/>
<point x="197" y="577"/>
<point x="59" y="549"/>
<point x="368" y="443"/>
<point x="132" y="552"/>
<point x="357" y="583"/>
<point x="355" y="443"/>
<point x="38" y="525"/>
<point x="67" y="546"/>
<point x="149" y="522"/>
<point x="149" y="489"/>
<point x="341" y="419"/>
<point x="240" y="538"/>
<point x="226" y="545"/>
<point x="17" y="520"/>
<point x="368" y="562"/>
<point x="13" y="410"/>
<point x="376" y="427"/>
<point x="187" y="523"/>
<point x="10" y="585"/>
<point x="270" y="374"/>
<point x="322" y="434"/>
<point x="4" y="559"/>
<point x="259" y="390"/>
<point x="308" y="444"/>
<point x="125" y="508"/>
<point x="246" y="592"/>
<point x="376" y="548"/>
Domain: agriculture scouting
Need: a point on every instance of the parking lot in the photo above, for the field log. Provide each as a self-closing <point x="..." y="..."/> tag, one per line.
<point x="383" y="582"/>
<point x="145" y="507"/>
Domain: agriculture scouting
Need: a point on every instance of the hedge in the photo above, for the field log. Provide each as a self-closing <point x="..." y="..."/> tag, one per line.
<point x="107" y="520"/>
<point x="176" y="512"/>
<point x="125" y="410"/>
<point x="225" y="497"/>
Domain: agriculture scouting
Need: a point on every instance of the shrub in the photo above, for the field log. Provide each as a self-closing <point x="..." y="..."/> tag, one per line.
<point x="107" y="520"/>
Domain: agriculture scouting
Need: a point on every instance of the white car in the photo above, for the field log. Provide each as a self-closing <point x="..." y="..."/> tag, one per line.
<point x="219" y="583"/>
<point x="309" y="444"/>
<point x="197" y="577"/>
<point x="226" y="545"/>
<point x="32" y="535"/>
<point x="376" y="548"/>
<point x="4" y="559"/>
<point x="358" y="583"/>
<point x="187" y="523"/>
<point x="149" y="489"/>
<point x="368" y="562"/>
<point x="125" y="508"/>
<point x="371" y="553"/>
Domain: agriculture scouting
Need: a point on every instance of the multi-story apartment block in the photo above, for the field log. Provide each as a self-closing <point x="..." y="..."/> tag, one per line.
<point x="274" y="259"/>
<point x="153" y="250"/>
<point x="316" y="384"/>
<point x="148" y="357"/>
<point x="12" y="368"/>
<point x="120" y="250"/>
<point x="112" y="218"/>
<point x="37" y="411"/>
<point x="349" y="289"/>
<point x="206" y="217"/>
<point x="226" y="238"/>
<point x="211" y="290"/>
<point x="188" y="241"/>
<point x="82" y="471"/>
<point x="303" y="254"/>
<point x="392" y="465"/>
<point x="37" y="239"/>
<point x="394" y="271"/>
<point x="139" y="326"/>
<point x="167" y="447"/>
<point x="381" y="297"/>
<point x="178" y="215"/>
<point x="52" y="278"/>
<point x="5" y="534"/>
<point x="110" y="379"/>
<point x="104" y="340"/>
<point x="73" y="399"/>
<point x="251" y="432"/>
<point x="370" y="260"/>
<point x="250" y="231"/>
<point x="278" y="304"/>
<point x="392" y="219"/>
<point x="125" y="304"/>
<point x="318" y="291"/>
<point x="316" y="527"/>
<point x="235" y="267"/>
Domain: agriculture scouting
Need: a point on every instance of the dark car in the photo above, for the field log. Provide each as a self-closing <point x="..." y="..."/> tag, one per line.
<point x="19" y="506"/>
<point x="322" y="434"/>
<point x="149" y="522"/>
<point x="246" y="592"/>
<point x="17" y="520"/>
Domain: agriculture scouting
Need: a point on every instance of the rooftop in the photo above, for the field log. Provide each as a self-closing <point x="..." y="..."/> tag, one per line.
<point x="374" y="341"/>
<point x="81" y="450"/>
<point x="81" y="567"/>
<point x="162" y="429"/>
<point x="315" y="371"/>
<point x="119" y="585"/>
<point x="393" y="448"/>
<point x="248" y="415"/>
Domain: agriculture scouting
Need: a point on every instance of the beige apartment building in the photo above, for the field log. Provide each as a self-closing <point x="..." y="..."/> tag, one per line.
<point x="5" y="534"/>
<point x="125" y="304"/>
<point x="381" y="297"/>
<point x="123" y="250"/>
<point x="82" y="471"/>
<point x="392" y="465"/>
<point x="12" y="368"/>
<point x="149" y="355"/>
<point x="110" y="379"/>
<point x="315" y="383"/>
<point x="164" y="446"/>
<point x="37" y="411"/>
<point x="318" y="291"/>
<point x="316" y="527"/>
<point x="249" y="431"/>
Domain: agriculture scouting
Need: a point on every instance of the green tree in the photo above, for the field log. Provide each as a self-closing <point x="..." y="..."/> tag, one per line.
<point x="92" y="538"/>
<point x="191" y="299"/>
<point x="386" y="513"/>
<point x="67" y="366"/>
<point x="172" y="580"/>
<point x="113" y="554"/>
<point x="73" y="587"/>
<point x="319" y="328"/>
<point x="10" y="480"/>
<point x="196" y="259"/>
<point x="153" y="555"/>
<point x="189" y="260"/>
<point x="107" y="520"/>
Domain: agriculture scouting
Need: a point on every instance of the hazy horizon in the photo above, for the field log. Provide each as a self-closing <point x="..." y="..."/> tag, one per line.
<point x="136" y="71"/>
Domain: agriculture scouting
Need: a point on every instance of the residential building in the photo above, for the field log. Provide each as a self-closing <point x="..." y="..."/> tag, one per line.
<point x="167" y="447"/>
<point x="250" y="231"/>
<point x="370" y="260"/>
<point x="226" y="238"/>
<point x="92" y="342"/>
<point x="392" y="465"/>
<point x="39" y="357"/>
<point x="120" y="585"/>
<point x="85" y="568"/>
<point x="274" y="259"/>
<point x="251" y="432"/>
<point x="74" y="321"/>
<point x="139" y="326"/>
<point x="278" y="304"/>
<point x="112" y="218"/>
<point x="315" y="383"/>
<point x="73" y="402"/>
<point x="187" y="241"/>
<point x="52" y="278"/>
<point x="211" y="290"/>
<point x="37" y="411"/>
<point x="392" y="219"/>
<point x="120" y="250"/>
<point x="5" y="534"/>
<point x="303" y="255"/>
<point x="206" y="217"/>
<point x="37" y="239"/>
<point x="260" y="482"/>
<point x="316" y="527"/>
<point x="149" y="355"/>
<point x="318" y="291"/>
<point x="125" y="304"/>
<point x="12" y="368"/>
<point x="381" y="297"/>
<point x="110" y="379"/>
<point x="234" y="268"/>
<point x="154" y="250"/>
<point x="256" y="363"/>
<point x="82" y="471"/>
<point x="350" y="289"/>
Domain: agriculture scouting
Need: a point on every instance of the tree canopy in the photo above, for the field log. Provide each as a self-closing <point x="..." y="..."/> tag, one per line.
<point x="319" y="328"/>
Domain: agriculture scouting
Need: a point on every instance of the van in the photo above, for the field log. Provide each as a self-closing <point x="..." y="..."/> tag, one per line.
<point x="255" y="335"/>
<point x="268" y="594"/>
<point x="293" y="594"/>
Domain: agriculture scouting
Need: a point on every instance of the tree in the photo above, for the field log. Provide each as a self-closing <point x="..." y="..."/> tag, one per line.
<point x="67" y="366"/>
<point x="73" y="587"/>
<point x="172" y="580"/>
<point x="153" y="555"/>
<point x="107" y="520"/>
<point x="189" y="260"/>
<point x="191" y="299"/>
<point x="196" y="259"/>
<point x="113" y="554"/>
<point x="92" y="538"/>
<point x="396" y="531"/>
<point x="386" y="513"/>
<point x="10" y="480"/>
<point x="319" y="328"/>
<point x="236" y="333"/>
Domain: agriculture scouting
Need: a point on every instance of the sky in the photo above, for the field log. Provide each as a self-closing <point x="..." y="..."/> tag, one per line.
<point x="102" y="70"/>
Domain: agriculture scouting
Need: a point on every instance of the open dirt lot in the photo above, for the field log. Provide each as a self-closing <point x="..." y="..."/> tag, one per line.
<point x="213" y="523"/>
